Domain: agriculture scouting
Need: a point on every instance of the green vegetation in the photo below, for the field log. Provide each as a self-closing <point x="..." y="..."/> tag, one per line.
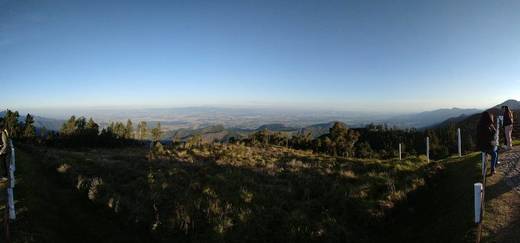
<point x="29" y="131"/>
<point x="373" y="141"/>
<point x="157" y="132"/>
<point x="142" y="130"/>
<point x="237" y="193"/>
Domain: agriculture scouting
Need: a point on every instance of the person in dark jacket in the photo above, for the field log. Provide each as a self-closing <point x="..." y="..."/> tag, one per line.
<point x="508" y="126"/>
<point x="486" y="142"/>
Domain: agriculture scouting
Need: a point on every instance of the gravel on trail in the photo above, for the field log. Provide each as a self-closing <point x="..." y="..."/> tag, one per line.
<point x="510" y="167"/>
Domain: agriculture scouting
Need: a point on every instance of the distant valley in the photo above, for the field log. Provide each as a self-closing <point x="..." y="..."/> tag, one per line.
<point x="248" y="119"/>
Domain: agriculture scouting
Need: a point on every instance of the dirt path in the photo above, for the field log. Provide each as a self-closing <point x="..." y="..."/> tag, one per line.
<point x="50" y="211"/>
<point x="502" y="212"/>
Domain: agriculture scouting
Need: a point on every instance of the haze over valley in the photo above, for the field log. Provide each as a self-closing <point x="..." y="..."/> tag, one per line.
<point x="246" y="118"/>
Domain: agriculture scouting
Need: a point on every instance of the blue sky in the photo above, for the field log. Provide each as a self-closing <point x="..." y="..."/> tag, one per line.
<point x="347" y="55"/>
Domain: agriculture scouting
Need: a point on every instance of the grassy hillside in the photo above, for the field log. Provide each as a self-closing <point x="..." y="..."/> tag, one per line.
<point x="234" y="193"/>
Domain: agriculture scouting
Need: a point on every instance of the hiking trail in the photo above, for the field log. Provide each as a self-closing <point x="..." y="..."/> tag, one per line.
<point x="501" y="221"/>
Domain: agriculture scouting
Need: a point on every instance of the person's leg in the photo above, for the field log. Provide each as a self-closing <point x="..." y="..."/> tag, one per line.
<point x="494" y="160"/>
<point x="506" y="137"/>
<point x="509" y="135"/>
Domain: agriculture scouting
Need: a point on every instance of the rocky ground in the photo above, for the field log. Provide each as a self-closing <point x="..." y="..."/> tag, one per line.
<point x="511" y="168"/>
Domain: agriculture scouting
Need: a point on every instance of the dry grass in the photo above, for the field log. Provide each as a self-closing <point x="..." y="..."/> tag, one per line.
<point x="232" y="192"/>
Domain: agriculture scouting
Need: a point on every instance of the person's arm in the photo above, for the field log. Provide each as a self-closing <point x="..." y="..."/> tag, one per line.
<point x="492" y="136"/>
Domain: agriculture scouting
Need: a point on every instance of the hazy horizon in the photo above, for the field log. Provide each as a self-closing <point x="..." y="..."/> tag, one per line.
<point x="399" y="108"/>
<point x="78" y="111"/>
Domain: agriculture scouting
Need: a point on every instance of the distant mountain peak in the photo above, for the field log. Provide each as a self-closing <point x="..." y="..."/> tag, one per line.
<point x="512" y="103"/>
<point x="430" y="118"/>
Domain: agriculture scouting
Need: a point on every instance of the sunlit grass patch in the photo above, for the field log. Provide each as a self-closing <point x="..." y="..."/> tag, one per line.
<point x="221" y="190"/>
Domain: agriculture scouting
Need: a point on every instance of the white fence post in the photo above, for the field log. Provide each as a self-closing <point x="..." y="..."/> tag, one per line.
<point x="12" y="165"/>
<point x="400" y="151"/>
<point x="12" y="154"/>
<point x="478" y="189"/>
<point x="10" y="203"/>
<point x="11" y="183"/>
<point x="459" y="140"/>
<point x="428" y="149"/>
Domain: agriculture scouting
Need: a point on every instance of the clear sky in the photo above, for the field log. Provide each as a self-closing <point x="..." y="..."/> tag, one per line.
<point x="366" y="54"/>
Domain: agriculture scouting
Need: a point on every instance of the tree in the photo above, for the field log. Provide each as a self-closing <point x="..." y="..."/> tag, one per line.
<point x="129" y="131"/>
<point x="156" y="132"/>
<point x="338" y="130"/>
<point x="91" y="124"/>
<point x="195" y="140"/>
<point x="342" y="139"/>
<point x="11" y="123"/>
<point x="262" y="136"/>
<point x="363" y="150"/>
<point x="92" y="127"/>
<point x="302" y="140"/>
<point x="142" y="129"/>
<point x="119" y="130"/>
<point x="29" y="129"/>
<point x="69" y="126"/>
<point x="81" y="124"/>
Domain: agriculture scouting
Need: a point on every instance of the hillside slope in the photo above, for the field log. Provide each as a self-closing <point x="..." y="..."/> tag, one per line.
<point x="260" y="193"/>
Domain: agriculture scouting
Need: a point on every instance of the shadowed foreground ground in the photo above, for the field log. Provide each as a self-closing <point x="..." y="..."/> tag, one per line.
<point x="48" y="211"/>
<point x="443" y="210"/>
